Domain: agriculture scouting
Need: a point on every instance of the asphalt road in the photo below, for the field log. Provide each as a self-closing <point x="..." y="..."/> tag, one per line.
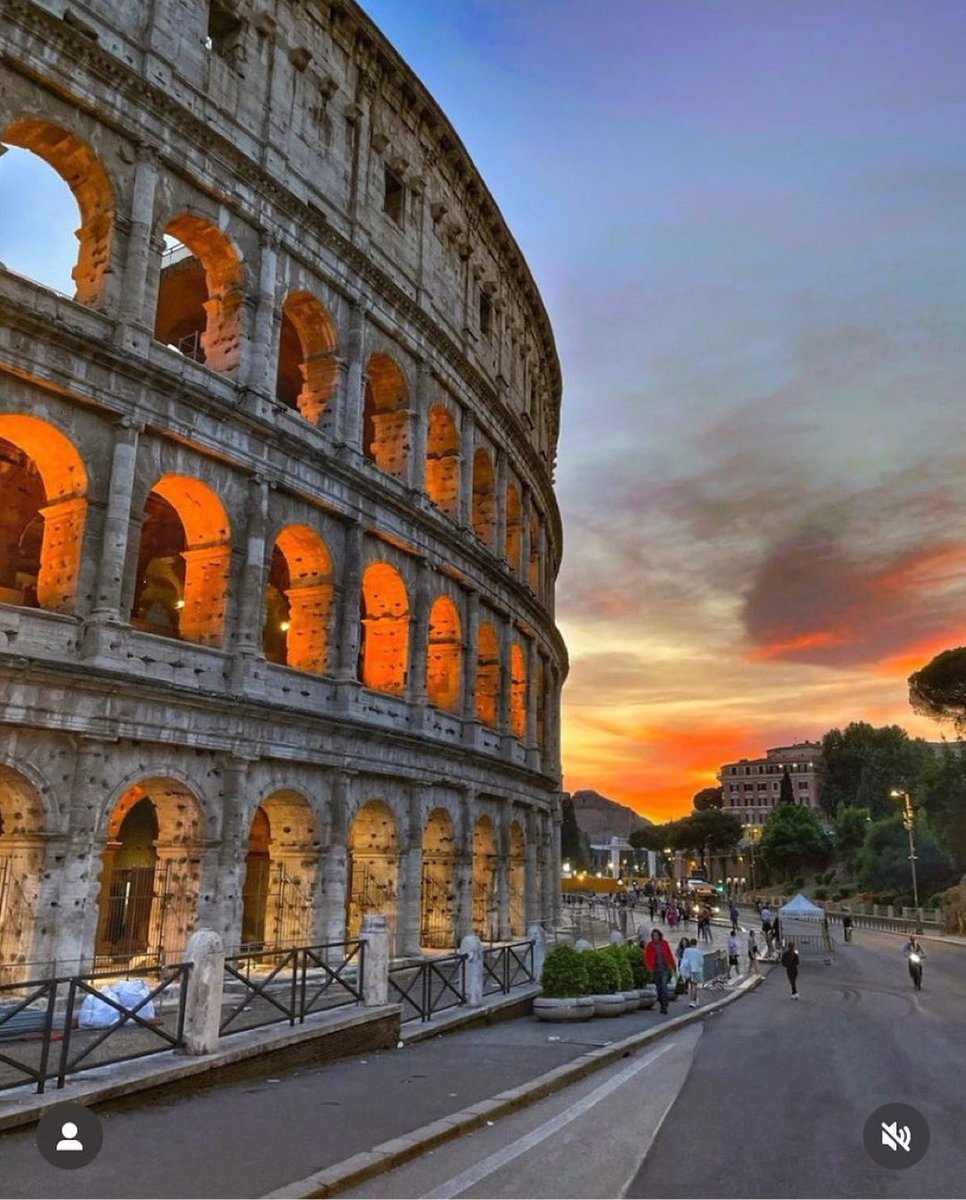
<point x="779" y="1091"/>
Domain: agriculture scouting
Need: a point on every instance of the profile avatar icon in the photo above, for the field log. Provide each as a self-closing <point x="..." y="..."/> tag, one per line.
<point x="68" y="1137"/>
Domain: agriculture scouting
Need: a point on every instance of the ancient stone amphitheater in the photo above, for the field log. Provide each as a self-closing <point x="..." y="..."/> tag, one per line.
<point x="278" y="539"/>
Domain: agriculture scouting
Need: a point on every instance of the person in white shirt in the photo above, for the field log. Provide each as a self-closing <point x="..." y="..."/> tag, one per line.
<point x="692" y="969"/>
<point x="733" y="954"/>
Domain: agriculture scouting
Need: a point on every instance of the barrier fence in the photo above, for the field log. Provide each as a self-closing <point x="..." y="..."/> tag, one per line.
<point x="429" y="987"/>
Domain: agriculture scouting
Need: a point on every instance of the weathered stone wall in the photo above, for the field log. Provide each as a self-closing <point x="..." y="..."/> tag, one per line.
<point x="331" y="209"/>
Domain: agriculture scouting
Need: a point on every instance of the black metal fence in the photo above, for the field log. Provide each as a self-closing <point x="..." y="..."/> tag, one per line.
<point x="43" y="1040"/>
<point x="507" y="967"/>
<point x="429" y="987"/>
<point x="270" y="986"/>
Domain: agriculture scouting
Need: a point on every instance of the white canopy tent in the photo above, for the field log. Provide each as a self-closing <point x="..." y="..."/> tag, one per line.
<point x="807" y="925"/>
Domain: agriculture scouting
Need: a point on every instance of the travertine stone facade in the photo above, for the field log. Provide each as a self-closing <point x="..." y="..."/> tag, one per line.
<point x="279" y="539"/>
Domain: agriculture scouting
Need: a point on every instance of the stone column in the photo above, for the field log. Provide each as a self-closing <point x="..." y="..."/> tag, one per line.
<point x="499" y="483"/>
<point x="531" y="891"/>
<point x="375" y="972"/>
<point x="542" y="562"/>
<point x="348" y="618"/>
<point x="556" y="821"/>
<point x="467" y="449"/>
<point x="410" y="878"/>
<point x="261" y="366"/>
<point x="206" y="982"/>
<point x="506" y="676"/>
<point x="525" y="510"/>
<point x="352" y="408"/>
<point x="533" y="666"/>
<point x="418" y="425"/>
<point x="220" y="901"/>
<point x="463" y="867"/>
<point x="548" y="880"/>
<point x="117" y="524"/>
<point x="333" y="863"/>
<point x="136" y="307"/>
<point x="251" y="608"/>
<point x="419" y="643"/>
<point x="503" y="879"/>
<point x="471" y="636"/>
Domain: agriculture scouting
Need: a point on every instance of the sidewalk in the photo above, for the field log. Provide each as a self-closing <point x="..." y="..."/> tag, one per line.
<point x="362" y="1114"/>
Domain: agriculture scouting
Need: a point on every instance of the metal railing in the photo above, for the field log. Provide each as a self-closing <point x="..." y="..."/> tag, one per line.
<point x="506" y="967"/>
<point x="43" y="1012"/>
<point x="429" y="987"/>
<point x="265" y="987"/>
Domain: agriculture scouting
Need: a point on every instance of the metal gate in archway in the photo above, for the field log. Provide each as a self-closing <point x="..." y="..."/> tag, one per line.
<point x="436" y="925"/>
<point x="369" y="892"/>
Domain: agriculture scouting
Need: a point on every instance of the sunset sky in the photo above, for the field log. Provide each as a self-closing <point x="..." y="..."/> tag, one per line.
<point x="748" y="223"/>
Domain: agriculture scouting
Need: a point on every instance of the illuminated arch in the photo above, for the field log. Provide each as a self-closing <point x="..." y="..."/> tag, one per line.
<point x="438" y="891"/>
<point x="443" y="460"/>
<point x="81" y="170"/>
<point x="372" y="867"/>
<point x="384" y="645"/>
<point x="151" y="872"/>
<point x="43" y="510"/>
<point x="516" y="880"/>
<point x="518" y="690"/>
<point x="444" y="661"/>
<point x="385" y="417"/>
<point x="298" y="601"/>
<point x="488" y="676"/>
<point x="22" y="830"/>
<point x="200" y="299"/>
<point x="307" y="365"/>
<point x="485" y="915"/>
<point x="183" y="561"/>
<point x="280" y="872"/>
<point x="484" y="498"/>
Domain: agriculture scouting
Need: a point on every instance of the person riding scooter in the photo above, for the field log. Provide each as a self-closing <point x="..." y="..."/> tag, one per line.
<point x="915" y="955"/>
<point x="847" y="926"/>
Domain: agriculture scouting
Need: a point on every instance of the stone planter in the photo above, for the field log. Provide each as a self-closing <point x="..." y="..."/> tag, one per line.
<point x="648" y="995"/>
<point x="632" y="1000"/>
<point x="610" y="1005"/>
<point x="566" y="1008"/>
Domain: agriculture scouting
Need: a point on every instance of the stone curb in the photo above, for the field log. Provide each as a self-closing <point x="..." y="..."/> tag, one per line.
<point x="394" y="1153"/>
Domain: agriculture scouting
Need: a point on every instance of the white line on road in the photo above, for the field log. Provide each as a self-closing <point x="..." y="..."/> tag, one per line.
<point x="473" y="1175"/>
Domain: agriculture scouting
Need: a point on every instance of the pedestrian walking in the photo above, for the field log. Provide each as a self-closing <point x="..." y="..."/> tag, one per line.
<point x="734" y="915"/>
<point x="757" y="906"/>
<point x="790" y="963"/>
<point x="753" y="953"/>
<point x="769" y="936"/>
<point x="706" y="926"/>
<point x="682" y="946"/>
<point x="672" y="915"/>
<point x="660" y="962"/>
<point x="847" y="925"/>
<point x="651" y="907"/>
<point x="692" y="969"/>
<point x="733" y="954"/>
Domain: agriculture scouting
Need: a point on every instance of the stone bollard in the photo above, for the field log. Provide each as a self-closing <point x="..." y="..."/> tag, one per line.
<point x="616" y="938"/>
<point x="206" y="982"/>
<point x="582" y="944"/>
<point x="375" y="963"/>
<point x="536" y="935"/>
<point x="472" y="947"/>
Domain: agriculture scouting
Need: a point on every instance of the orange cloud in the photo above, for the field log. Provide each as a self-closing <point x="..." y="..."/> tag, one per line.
<point x="804" y="641"/>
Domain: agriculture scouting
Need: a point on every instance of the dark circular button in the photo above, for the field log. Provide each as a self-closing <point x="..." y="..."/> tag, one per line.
<point x="69" y="1136"/>
<point x="896" y="1136"/>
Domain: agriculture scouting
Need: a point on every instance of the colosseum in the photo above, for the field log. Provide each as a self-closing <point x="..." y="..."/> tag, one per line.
<point x="278" y="538"/>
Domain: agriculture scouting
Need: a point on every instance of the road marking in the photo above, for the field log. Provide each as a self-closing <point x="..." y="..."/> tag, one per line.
<point x="469" y="1178"/>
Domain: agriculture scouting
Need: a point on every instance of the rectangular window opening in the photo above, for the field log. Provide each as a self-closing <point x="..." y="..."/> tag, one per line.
<point x="486" y="315"/>
<point x="394" y="196"/>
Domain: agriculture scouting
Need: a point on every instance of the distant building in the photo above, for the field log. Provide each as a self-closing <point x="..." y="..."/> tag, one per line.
<point x="751" y="787"/>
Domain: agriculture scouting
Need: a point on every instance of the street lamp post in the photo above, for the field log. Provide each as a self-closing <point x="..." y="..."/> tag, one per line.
<point x="908" y="822"/>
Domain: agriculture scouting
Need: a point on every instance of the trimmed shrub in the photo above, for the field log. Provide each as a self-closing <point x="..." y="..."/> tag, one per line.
<point x="635" y="958"/>
<point x="603" y="976"/>
<point x="624" y="972"/>
<point x="564" y="973"/>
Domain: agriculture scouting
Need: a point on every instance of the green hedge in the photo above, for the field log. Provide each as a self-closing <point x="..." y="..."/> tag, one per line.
<point x="603" y="976"/>
<point x="564" y="973"/>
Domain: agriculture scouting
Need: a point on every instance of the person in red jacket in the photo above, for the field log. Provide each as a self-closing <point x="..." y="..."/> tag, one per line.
<point x="659" y="960"/>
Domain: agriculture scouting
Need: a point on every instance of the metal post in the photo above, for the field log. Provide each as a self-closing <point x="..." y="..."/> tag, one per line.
<point x="908" y="819"/>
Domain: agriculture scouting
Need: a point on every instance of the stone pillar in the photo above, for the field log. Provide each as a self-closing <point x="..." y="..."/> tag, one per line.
<point x="556" y="821"/>
<point x="332" y="864"/>
<point x="499" y="483"/>
<point x="248" y="640"/>
<point x="261" y="365"/>
<point x="531" y="893"/>
<point x="375" y="969"/>
<point x="463" y="867"/>
<point x="352" y="408"/>
<point x="472" y="947"/>
<point x="117" y="523"/>
<point x="471" y="637"/>
<point x="223" y="874"/>
<point x="467" y="449"/>
<point x="418" y="424"/>
<point x="136" y="308"/>
<point x="525" y="510"/>
<point x="549" y="877"/>
<point x="419" y="643"/>
<point x="347" y="659"/>
<point x="410" y="878"/>
<point x="503" y="880"/>
<point x="206" y="983"/>
<point x="532" y="694"/>
<point x="506" y="676"/>
<point x="542" y="562"/>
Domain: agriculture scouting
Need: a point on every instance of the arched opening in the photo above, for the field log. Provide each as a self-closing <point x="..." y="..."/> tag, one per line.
<point x="22" y="826"/>
<point x="444" y="662"/>
<point x="384" y="645"/>
<point x="151" y="873"/>
<point x="518" y="691"/>
<point x="488" y="676"/>
<point x="517" y="877"/>
<point x="307" y="364"/>
<point x="372" y="867"/>
<point x="43" y="508"/>
<point x="438" y="894"/>
<point x="533" y="567"/>
<point x="484" y="498"/>
<point x="385" y="417"/>
<point x="200" y="298"/>
<point x="183" y="559"/>
<point x="485" y="901"/>
<point x="83" y="173"/>
<point x="443" y="460"/>
<point x="280" y="871"/>
<point x="298" y="601"/>
<point x="514" y="528"/>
